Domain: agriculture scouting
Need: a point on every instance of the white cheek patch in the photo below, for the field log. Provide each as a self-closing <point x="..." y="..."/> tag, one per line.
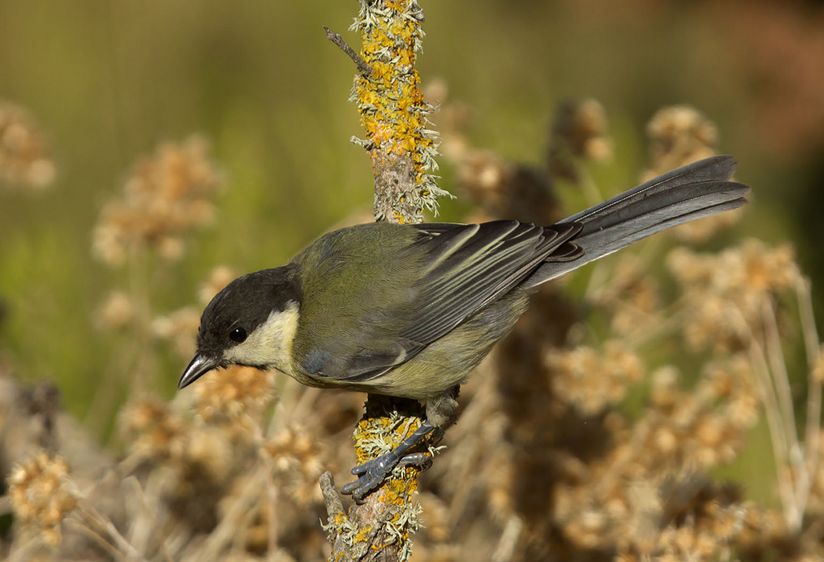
<point x="270" y="345"/>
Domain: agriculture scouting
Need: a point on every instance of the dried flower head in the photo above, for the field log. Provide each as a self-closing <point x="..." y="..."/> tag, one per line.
<point x="579" y="131"/>
<point x="234" y="395"/>
<point x="153" y="430"/>
<point x="212" y="451"/>
<point x="632" y="296"/>
<point x="180" y="328"/>
<point x="726" y="292"/>
<point x="593" y="379"/>
<point x="116" y="312"/>
<point x="167" y="195"/>
<point x="580" y="126"/>
<point x="707" y="534"/>
<point x="297" y="463"/>
<point x="680" y="134"/>
<point x="452" y="121"/>
<point x="24" y="158"/>
<point x="41" y="494"/>
<point x="486" y="176"/>
<point x="704" y="426"/>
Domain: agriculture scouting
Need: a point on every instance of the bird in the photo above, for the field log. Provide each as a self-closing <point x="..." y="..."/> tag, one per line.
<point x="408" y="310"/>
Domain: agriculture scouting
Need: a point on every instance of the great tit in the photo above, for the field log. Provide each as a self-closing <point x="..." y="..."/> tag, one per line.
<point x="408" y="310"/>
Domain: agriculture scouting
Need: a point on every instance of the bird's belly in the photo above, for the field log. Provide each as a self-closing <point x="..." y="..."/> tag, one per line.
<point x="446" y="362"/>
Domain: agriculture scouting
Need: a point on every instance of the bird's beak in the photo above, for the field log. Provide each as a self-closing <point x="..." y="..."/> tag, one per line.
<point x="199" y="366"/>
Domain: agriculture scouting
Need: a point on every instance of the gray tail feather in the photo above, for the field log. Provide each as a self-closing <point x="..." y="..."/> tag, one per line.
<point x="692" y="192"/>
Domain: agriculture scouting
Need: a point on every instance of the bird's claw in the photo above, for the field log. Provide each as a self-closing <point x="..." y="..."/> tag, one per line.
<point x="371" y="474"/>
<point x="420" y="460"/>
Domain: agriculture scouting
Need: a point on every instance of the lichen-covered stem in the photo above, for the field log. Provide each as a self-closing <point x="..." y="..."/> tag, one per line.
<point x="402" y="149"/>
<point x="393" y="111"/>
<point x="381" y="528"/>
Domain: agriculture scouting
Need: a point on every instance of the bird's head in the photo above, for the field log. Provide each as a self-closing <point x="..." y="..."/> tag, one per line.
<point x="251" y="322"/>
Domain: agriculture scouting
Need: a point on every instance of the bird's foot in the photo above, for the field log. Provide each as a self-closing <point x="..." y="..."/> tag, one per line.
<point x="371" y="474"/>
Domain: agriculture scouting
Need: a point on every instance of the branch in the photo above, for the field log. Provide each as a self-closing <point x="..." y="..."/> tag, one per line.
<point x="394" y="113"/>
<point x="402" y="149"/>
<point x="335" y="38"/>
<point x="381" y="528"/>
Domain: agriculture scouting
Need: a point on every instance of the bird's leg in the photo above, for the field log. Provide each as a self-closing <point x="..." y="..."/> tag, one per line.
<point x="441" y="412"/>
<point x="372" y="473"/>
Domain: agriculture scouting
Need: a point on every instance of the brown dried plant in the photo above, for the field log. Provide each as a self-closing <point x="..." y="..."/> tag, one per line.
<point x="606" y="484"/>
<point x="41" y="497"/>
<point x="594" y="433"/>
<point x="679" y="135"/>
<point x="24" y="154"/>
<point x="165" y="197"/>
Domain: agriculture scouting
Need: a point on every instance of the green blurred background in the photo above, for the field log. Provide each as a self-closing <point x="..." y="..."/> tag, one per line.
<point x="108" y="80"/>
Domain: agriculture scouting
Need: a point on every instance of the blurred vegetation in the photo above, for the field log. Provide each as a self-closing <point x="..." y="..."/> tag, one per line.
<point x="108" y="80"/>
<point x="105" y="82"/>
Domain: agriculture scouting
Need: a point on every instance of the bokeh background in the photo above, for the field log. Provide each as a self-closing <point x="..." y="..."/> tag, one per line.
<point x="107" y="81"/>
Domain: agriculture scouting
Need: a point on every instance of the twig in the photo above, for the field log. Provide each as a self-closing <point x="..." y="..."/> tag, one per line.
<point x="334" y="505"/>
<point x="505" y="549"/>
<point x="98" y="538"/>
<point x="23" y="553"/>
<point x="227" y="528"/>
<point x="772" y="409"/>
<point x="335" y="38"/>
<point x="812" y="346"/>
<point x="148" y="515"/>
<point x="785" y="478"/>
<point x="92" y="516"/>
<point x="780" y="376"/>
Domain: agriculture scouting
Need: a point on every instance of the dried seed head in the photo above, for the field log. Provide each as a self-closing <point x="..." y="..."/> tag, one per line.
<point x="486" y="176"/>
<point x="116" y="312"/>
<point x="632" y="296"/>
<point x="706" y="425"/>
<point x="593" y="379"/>
<point x="727" y="292"/>
<point x="212" y="451"/>
<point x="579" y="130"/>
<point x="297" y="463"/>
<point x="41" y="494"/>
<point x="167" y="195"/>
<point x="236" y="395"/>
<point x="153" y="430"/>
<point x="679" y="135"/>
<point x="180" y="328"/>
<point x="24" y="158"/>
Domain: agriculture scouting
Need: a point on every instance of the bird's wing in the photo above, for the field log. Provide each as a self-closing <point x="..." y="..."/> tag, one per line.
<point x="465" y="268"/>
<point x="470" y="266"/>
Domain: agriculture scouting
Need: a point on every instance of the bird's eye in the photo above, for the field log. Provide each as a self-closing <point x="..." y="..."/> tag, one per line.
<point x="238" y="335"/>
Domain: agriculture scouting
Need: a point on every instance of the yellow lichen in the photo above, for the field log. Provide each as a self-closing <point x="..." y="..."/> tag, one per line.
<point x="392" y="107"/>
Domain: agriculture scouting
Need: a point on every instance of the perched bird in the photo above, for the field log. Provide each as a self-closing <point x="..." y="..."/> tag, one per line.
<point x="409" y="310"/>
